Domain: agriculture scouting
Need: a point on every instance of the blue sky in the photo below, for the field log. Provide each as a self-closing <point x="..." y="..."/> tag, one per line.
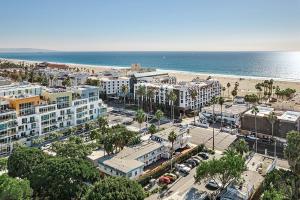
<point x="196" y="25"/>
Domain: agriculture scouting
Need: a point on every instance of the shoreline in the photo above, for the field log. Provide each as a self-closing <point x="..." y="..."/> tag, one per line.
<point x="99" y="68"/>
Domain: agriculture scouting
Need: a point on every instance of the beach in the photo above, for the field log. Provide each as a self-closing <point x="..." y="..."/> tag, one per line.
<point x="246" y="83"/>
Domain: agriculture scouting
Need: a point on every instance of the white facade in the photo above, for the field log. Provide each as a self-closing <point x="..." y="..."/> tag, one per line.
<point x="20" y="88"/>
<point x="205" y="91"/>
<point x="113" y="85"/>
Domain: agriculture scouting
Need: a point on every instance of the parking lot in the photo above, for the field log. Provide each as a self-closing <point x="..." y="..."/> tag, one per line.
<point x="205" y="136"/>
<point x="183" y="184"/>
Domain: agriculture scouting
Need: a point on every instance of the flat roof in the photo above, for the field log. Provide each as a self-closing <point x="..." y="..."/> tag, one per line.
<point x="95" y="155"/>
<point x="290" y="116"/>
<point x="164" y="134"/>
<point x="263" y="111"/>
<point x="231" y="109"/>
<point x="138" y="150"/>
<point x="149" y="74"/>
<point x="123" y="165"/>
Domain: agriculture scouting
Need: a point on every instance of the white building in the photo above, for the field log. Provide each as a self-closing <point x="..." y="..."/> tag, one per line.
<point x="130" y="162"/>
<point x="20" y="88"/>
<point x="53" y="110"/>
<point x="113" y="85"/>
<point x="205" y="91"/>
<point x="231" y="114"/>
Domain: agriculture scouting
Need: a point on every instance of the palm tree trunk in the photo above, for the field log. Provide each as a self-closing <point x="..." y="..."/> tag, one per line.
<point x="213" y="127"/>
<point x="255" y="134"/>
<point x="221" y="117"/>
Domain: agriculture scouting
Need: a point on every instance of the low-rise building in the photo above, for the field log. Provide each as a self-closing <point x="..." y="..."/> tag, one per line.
<point x="231" y="113"/>
<point x="286" y="121"/>
<point x="131" y="161"/>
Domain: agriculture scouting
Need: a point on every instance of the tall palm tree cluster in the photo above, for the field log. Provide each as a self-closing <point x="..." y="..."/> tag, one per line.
<point x="145" y="100"/>
<point x="266" y="88"/>
<point x="113" y="139"/>
<point x="286" y="93"/>
<point x="234" y="92"/>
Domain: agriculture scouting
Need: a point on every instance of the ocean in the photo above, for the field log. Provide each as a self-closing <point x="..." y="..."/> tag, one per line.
<point x="279" y="65"/>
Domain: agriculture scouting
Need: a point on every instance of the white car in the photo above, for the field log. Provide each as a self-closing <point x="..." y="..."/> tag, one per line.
<point x="183" y="168"/>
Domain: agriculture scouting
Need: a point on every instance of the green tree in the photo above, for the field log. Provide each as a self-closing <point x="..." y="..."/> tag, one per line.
<point x="254" y="111"/>
<point x="228" y="87"/>
<point x="272" y="194"/>
<point x="194" y="93"/>
<point x="151" y="92"/>
<point x="158" y="115"/>
<point x="72" y="148"/>
<point x="221" y="102"/>
<point x="3" y="164"/>
<point x="23" y="160"/>
<point x="292" y="154"/>
<point x="251" y="98"/>
<point x="172" y="138"/>
<point x="14" y="188"/>
<point x="124" y="90"/>
<point x="116" y="188"/>
<point x="140" y="117"/>
<point x="172" y="97"/>
<point x="213" y="101"/>
<point x="152" y="129"/>
<point x="234" y="93"/>
<point x="272" y="118"/>
<point x="63" y="178"/>
<point x="241" y="147"/>
<point x="225" y="170"/>
<point x="140" y="92"/>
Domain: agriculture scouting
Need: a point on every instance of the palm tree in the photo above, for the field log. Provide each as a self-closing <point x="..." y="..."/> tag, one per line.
<point x="141" y="91"/>
<point x="221" y="102"/>
<point x="150" y="94"/>
<point x="228" y="86"/>
<point x="272" y="118"/>
<point x="172" y="138"/>
<point x="213" y="101"/>
<point x="140" y="117"/>
<point x="194" y="93"/>
<point x="158" y="115"/>
<point x="172" y="98"/>
<point x="241" y="146"/>
<point x="152" y="129"/>
<point x="124" y="90"/>
<point x="234" y="93"/>
<point x="223" y="90"/>
<point x="255" y="111"/>
<point x="51" y="80"/>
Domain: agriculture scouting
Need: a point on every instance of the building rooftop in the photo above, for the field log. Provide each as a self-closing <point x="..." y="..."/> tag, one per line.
<point x="95" y="155"/>
<point x="123" y="165"/>
<point x="149" y="74"/>
<point x="138" y="150"/>
<point x="262" y="111"/>
<point x="164" y="134"/>
<point x="232" y="109"/>
<point x="290" y="116"/>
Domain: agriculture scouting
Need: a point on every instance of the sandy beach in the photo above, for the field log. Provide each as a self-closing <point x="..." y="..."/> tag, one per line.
<point x="246" y="83"/>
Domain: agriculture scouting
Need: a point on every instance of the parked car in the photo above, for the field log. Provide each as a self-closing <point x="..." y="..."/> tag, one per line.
<point x="183" y="168"/>
<point x="188" y="165"/>
<point x="192" y="162"/>
<point x="196" y="159"/>
<point x="203" y="155"/>
<point x="171" y="177"/>
<point x="165" y="180"/>
<point x="213" y="184"/>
